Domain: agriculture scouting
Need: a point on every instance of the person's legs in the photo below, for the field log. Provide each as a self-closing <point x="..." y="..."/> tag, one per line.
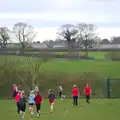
<point x="51" y="107"/>
<point x="87" y="98"/>
<point x="18" y="108"/>
<point x="74" y="101"/>
<point x="23" y="108"/>
<point x="60" y="95"/>
<point x="31" y="108"/>
<point x="38" y="106"/>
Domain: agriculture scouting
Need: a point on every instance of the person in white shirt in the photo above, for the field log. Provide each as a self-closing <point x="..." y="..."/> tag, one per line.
<point x="60" y="91"/>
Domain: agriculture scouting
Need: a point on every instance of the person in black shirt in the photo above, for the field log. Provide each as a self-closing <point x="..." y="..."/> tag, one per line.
<point x="51" y="100"/>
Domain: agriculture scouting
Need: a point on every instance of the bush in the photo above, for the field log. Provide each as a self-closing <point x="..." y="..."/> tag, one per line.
<point x="114" y="56"/>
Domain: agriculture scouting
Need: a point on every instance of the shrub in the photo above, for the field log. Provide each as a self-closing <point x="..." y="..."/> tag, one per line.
<point x="114" y="56"/>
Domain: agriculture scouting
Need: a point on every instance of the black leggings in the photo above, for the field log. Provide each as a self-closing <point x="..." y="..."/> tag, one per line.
<point x="87" y="98"/>
<point x="38" y="107"/>
<point x="18" y="107"/>
<point x="75" y="100"/>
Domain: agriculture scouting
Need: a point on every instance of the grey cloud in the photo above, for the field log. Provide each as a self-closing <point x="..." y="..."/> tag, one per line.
<point x="50" y="6"/>
<point x="52" y="23"/>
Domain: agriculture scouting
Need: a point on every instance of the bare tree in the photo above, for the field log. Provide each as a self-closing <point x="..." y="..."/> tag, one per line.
<point x="4" y="36"/>
<point x="68" y="33"/>
<point x="115" y="40"/>
<point x="34" y="69"/>
<point x="24" y="33"/>
<point x="86" y="34"/>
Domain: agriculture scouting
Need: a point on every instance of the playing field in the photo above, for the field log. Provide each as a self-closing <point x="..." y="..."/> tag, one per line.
<point x="97" y="110"/>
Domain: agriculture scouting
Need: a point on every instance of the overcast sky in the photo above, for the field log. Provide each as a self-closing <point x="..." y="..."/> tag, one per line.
<point x="46" y="16"/>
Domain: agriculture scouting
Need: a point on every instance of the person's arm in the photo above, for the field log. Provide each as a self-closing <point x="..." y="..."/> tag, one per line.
<point x="35" y="98"/>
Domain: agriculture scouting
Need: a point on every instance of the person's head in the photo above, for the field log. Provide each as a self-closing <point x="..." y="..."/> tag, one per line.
<point x="22" y="93"/>
<point x="14" y="85"/>
<point x="59" y="85"/>
<point x="74" y="86"/>
<point x="50" y="91"/>
<point x="32" y="92"/>
<point x="87" y="85"/>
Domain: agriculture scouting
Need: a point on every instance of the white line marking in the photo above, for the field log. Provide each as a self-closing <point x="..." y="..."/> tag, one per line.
<point x="65" y="114"/>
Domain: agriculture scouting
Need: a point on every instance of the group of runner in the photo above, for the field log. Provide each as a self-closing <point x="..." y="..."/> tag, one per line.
<point x="35" y="98"/>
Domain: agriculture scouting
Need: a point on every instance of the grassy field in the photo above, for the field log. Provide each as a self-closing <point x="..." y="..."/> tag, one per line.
<point x="104" y="68"/>
<point x="98" y="110"/>
<point x="97" y="55"/>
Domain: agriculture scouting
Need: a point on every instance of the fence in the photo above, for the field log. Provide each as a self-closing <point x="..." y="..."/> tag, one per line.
<point x="113" y="90"/>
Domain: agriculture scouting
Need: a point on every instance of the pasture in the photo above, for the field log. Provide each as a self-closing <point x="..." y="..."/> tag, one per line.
<point x="64" y="71"/>
<point x="98" y="109"/>
<point x="97" y="55"/>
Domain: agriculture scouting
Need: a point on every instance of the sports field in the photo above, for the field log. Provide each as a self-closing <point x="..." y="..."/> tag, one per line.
<point x="99" y="109"/>
<point x="97" y="55"/>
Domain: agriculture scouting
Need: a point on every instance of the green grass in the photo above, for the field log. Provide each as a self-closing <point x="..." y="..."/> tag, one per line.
<point x="104" y="68"/>
<point x="98" y="110"/>
<point x="97" y="55"/>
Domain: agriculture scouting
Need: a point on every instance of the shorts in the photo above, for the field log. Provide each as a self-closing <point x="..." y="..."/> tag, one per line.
<point x="31" y="103"/>
<point x="51" y="101"/>
<point x="23" y="108"/>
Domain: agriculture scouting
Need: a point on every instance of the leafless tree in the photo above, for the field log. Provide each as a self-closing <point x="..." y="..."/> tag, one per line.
<point x="4" y="36"/>
<point x="86" y="34"/>
<point x="24" y="33"/>
<point x="34" y="69"/>
<point x="68" y="33"/>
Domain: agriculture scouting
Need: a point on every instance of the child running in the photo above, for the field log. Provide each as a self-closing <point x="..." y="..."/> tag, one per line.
<point x="60" y="91"/>
<point x="17" y="99"/>
<point x="31" y="102"/>
<point x="51" y="100"/>
<point x="23" y="104"/>
<point x="38" y="101"/>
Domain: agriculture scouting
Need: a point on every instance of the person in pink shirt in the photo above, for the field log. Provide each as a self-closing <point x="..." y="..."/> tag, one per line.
<point x="15" y="91"/>
<point x="17" y="99"/>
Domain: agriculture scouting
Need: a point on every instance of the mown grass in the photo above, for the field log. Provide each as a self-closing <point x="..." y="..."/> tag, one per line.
<point x="96" y="55"/>
<point x="104" y="68"/>
<point x="101" y="109"/>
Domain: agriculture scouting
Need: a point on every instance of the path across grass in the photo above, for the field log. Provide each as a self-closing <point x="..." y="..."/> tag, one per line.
<point x="98" y="110"/>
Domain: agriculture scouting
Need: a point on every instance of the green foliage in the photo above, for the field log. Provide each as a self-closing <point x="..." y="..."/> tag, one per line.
<point x="114" y="56"/>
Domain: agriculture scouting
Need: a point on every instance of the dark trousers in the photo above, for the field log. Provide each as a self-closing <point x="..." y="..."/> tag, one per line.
<point x="88" y="98"/>
<point x="38" y="107"/>
<point x="23" y="107"/>
<point x="60" y="94"/>
<point x="18" y="107"/>
<point x="75" y="100"/>
<point x="14" y="94"/>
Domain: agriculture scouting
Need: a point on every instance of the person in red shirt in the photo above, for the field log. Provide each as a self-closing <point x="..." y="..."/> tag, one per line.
<point x="87" y="91"/>
<point x="75" y="93"/>
<point x="38" y="101"/>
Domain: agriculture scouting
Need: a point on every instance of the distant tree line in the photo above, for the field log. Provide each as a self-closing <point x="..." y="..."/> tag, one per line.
<point x="81" y="35"/>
